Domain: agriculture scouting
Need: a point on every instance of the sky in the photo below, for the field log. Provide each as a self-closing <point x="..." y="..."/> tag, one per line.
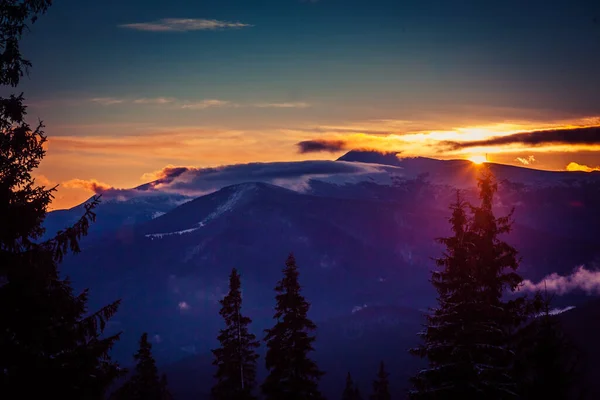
<point x="127" y="87"/>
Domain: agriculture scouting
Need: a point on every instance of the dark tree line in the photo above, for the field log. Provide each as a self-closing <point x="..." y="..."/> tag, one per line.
<point x="144" y="383"/>
<point x="51" y="344"/>
<point x="44" y="325"/>
<point x="292" y="374"/>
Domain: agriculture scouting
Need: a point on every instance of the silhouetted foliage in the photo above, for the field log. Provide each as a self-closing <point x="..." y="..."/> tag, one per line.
<point x="236" y="358"/>
<point x="351" y="391"/>
<point x="467" y="338"/>
<point x="165" y="393"/>
<point x="44" y="325"/>
<point x="381" y="385"/>
<point x="14" y="17"/>
<point x="292" y="374"/>
<point x="357" y="395"/>
<point x="144" y="384"/>
<point x="548" y="363"/>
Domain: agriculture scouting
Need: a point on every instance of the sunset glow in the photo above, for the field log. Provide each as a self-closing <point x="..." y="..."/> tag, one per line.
<point x="478" y="159"/>
<point x="118" y="113"/>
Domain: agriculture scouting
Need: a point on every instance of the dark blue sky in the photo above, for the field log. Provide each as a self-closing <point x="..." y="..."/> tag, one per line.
<point x="532" y="53"/>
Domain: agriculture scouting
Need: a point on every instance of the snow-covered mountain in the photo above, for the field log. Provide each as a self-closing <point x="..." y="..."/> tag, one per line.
<point x="363" y="234"/>
<point x="357" y="174"/>
<point x="115" y="214"/>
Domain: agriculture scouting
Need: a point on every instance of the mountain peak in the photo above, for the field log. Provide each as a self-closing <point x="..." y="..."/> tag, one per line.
<point x="372" y="157"/>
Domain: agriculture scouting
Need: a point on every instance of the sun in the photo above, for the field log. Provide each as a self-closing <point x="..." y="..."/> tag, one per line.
<point x="478" y="159"/>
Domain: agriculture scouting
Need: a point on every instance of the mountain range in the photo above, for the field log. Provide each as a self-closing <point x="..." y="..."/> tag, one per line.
<point x="362" y="229"/>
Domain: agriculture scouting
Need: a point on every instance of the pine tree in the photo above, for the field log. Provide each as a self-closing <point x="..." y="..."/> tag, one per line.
<point x="547" y="362"/>
<point x="292" y="374"/>
<point x="44" y="325"/>
<point x="381" y="385"/>
<point x="357" y="395"/>
<point x="496" y="264"/>
<point x="467" y="337"/>
<point x="446" y="337"/>
<point x="236" y="358"/>
<point x="144" y="384"/>
<point x="351" y="390"/>
<point x="165" y="393"/>
<point x="348" y="393"/>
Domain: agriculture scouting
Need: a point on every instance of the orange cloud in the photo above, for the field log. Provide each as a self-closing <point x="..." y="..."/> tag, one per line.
<point x="526" y="161"/>
<point x="170" y="171"/>
<point x="573" y="167"/>
<point x="91" y="185"/>
<point x="121" y="153"/>
<point x="43" y="180"/>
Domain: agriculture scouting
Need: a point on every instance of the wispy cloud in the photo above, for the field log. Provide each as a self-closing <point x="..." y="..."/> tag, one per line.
<point x="526" y="160"/>
<point x="193" y="104"/>
<point x="225" y="103"/>
<point x="107" y="101"/>
<point x="185" y="25"/>
<point x="575" y="167"/>
<point x="166" y="174"/>
<point x="322" y="145"/>
<point x="581" y="279"/>
<point x="156" y="100"/>
<point x="91" y="185"/>
<point x="586" y="136"/>
<point x="43" y="180"/>
<point x="201" y="105"/>
<point x="282" y="105"/>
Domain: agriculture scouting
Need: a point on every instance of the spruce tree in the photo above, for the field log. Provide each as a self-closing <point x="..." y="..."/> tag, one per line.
<point x="357" y="395"/>
<point x="292" y="375"/>
<point x="44" y="325"/>
<point x="236" y="358"/>
<point x="446" y="342"/>
<point x="165" y="393"/>
<point x="496" y="263"/>
<point x="144" y="384"/>
<point x="349" y="392"/>
<point x="467" y="338"/>
<point x="381" y="385"/>
<point x="547" y="362"/>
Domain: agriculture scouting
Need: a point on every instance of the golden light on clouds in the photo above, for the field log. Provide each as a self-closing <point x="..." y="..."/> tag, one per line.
<point x="90" y="163"/>
<point x="573" y="166"/>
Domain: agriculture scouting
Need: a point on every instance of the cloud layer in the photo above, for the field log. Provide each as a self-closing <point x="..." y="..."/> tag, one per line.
<point x="292" y="175"/>
<point x="526" y="160"/>
<point x="187" y="182"/>
<point x="576" y="136"/>
<point x="581" y="279"/>
<point x="106" y="101"/>
<point x="91" y="185"/>
<point x="193" y="105"/>
<point x="185" y="25"/>
<point x="321" y="145"/>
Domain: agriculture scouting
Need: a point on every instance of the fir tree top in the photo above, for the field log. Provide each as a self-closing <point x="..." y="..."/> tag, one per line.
<point x="381" y="390"/>
<point x="236" y="357"/>
<point x="292" y="374"/>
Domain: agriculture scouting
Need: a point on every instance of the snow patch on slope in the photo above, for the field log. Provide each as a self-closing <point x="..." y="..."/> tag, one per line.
<point x="157" y="214"/>
<point x="223" y="208"/>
